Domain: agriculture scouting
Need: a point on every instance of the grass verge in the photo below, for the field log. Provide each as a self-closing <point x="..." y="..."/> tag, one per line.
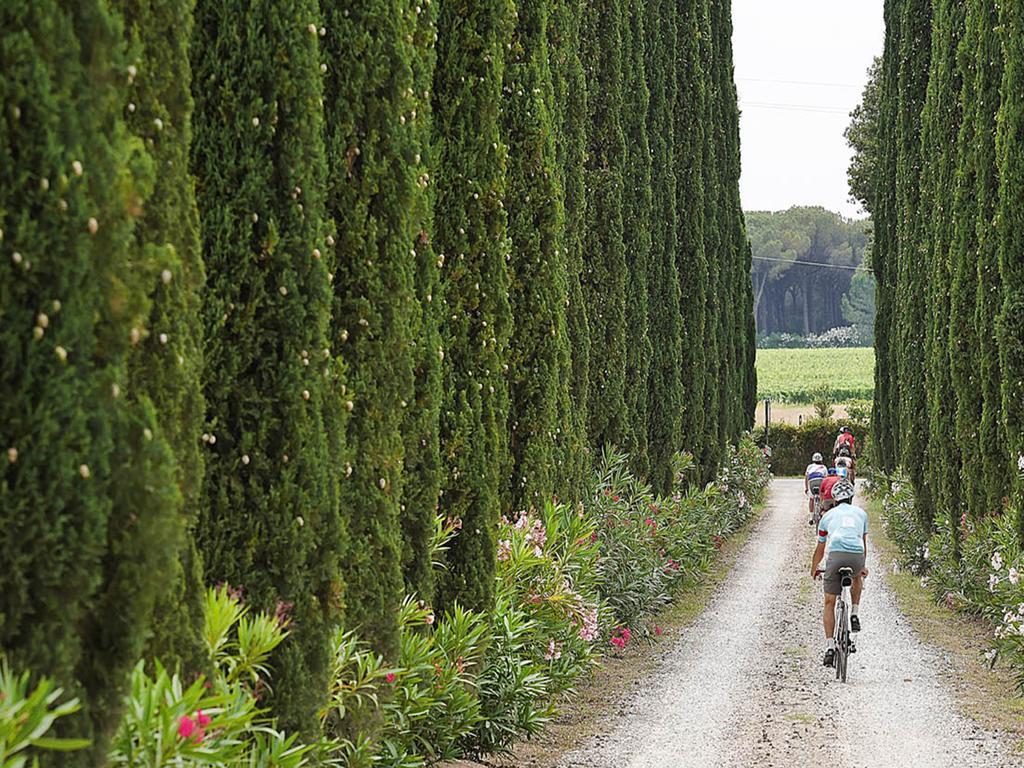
<point x="605" y="692"/>
<point x="985" y="695"/>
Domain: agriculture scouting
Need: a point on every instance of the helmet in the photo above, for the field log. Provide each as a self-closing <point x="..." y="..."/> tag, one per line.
<point x="843" y="491"/>
<point x="816" y="457"/>
<point x="844" y="430"/>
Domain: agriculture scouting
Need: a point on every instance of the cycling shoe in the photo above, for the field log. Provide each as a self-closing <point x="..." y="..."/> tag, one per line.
<point x="855" y="623"/>
<point x="830" y="658"/>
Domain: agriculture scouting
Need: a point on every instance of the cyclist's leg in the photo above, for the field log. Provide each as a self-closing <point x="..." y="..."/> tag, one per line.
<point x="829" y="616"/>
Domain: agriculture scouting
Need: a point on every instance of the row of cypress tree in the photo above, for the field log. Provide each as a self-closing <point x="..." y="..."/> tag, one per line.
<point x="948" y="254"/>
<point x="284" y="280"/>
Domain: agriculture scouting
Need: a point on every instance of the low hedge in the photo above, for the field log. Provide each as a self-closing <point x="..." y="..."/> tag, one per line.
<point x="792" y="446"/>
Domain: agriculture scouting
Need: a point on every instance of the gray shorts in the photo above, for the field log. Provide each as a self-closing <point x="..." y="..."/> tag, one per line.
<point x="837" y="560"/>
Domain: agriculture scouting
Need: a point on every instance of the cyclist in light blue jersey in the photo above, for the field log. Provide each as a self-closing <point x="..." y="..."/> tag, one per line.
<point x="843" y="533"/>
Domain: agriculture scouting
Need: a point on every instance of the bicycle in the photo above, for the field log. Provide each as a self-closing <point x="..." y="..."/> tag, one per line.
<point x="816" y="516"/>
<point x="843" y="634"/>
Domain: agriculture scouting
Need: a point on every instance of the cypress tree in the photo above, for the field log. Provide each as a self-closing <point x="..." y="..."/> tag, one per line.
<point x="471" y="240"/>
<point x="269" y="521"/>
<point x="167" y="365"/>
<point x="422" y="475"/>
<point x="963" y="346"/>
<point x="373" y="185"/>
<point x="884" y="262"/>
<point x="665" y="389"/>
<point x="737" y="284"/>
<point x="940" y="125"/>
<point x="538" y="273"/>
<point x="604" y="255"/>
<point x="690" y="120"/>
<point x="1010" y="145"/>
<point x="570" y="94"/>
<point x="636" y="219"/>
<point x="911" y="398"/>
<point x="88" y="488"/>
<point x="992" y="453"/>
<point x="715" y="244"/>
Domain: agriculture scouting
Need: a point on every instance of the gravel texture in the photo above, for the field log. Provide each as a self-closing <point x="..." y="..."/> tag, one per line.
<point x="744" y="685"/>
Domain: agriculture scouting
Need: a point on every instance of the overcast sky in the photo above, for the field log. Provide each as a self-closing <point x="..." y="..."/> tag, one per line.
<point x="792" y="140"/>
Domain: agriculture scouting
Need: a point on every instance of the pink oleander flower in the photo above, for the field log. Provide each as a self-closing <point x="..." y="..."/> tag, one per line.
<point x="504" y="550"/>
<point x="192" y="730"/>
<point x="554" y="651"/>
<point x="627" y="635"/>
<point x="203" y="719"/>
<point x="657" y="631"/>
<point x="389" y="677"/>
<point x="618" y="642"/>
<point x="429" y="619"/>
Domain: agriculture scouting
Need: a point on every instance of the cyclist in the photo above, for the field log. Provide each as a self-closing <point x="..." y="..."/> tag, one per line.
<point x="815" y="473"/>
<point x="844" y="466"/>
<point x="844" y="529"/>
<point x="844" y="439"/>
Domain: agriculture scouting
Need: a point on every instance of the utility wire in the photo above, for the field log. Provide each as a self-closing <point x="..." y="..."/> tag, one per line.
<point x="812" y="263"/>
<point x="799" y="82"/>
<point x="824" y="110"/>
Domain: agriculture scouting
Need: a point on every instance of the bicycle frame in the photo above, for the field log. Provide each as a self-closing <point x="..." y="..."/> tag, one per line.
<point x="843" y="630"/>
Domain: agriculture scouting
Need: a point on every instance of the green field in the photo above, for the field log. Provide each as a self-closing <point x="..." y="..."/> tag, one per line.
<point x="801" y="375"/>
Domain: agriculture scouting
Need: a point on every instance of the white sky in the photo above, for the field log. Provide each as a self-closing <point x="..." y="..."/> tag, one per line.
<point x="793" y="155"/>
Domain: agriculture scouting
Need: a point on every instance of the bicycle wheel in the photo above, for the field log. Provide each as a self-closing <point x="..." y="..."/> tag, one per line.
<point x="845" y="658"/>
<point x="840" y="639"/>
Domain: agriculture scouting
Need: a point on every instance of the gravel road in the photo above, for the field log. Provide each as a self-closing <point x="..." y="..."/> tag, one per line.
<point x="744" y="685"/>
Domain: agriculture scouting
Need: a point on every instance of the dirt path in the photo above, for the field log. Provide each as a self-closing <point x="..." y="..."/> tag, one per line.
<point x="744" y="686"/>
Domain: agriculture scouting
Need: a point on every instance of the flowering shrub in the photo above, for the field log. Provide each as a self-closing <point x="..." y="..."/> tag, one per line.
<point x="976" y="567"/>
<point x="572" y="583"/>
<point x="215" y="721"/>
<point x="26" y="717"/>
<point x="843" y="336"/>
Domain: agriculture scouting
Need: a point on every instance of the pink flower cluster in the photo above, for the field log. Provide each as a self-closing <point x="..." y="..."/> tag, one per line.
<point x="504" y="550"/>
<point x="535" y="533"/>
<point x="621" y="637"/>
<point x="587" y="619"/>
<point x="193" y="729"/>
<point x="554" y="652"/>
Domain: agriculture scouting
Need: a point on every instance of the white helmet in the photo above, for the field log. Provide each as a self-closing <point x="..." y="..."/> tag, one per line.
<point x="816" y="457"/>
<point x="843" y="491"/>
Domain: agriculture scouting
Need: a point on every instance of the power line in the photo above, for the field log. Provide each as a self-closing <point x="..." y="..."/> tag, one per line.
<point x="799" y="82"/>
<point x="813" y="263"/>
<point x="819" y="109"/>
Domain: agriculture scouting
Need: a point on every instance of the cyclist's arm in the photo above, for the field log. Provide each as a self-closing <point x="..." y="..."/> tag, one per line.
<point x="819" y="553"/>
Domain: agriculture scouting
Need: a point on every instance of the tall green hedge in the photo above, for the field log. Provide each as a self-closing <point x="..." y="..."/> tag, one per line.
<point x="991" y="436"/>
<point x="538" y="347"/>
<point x="604" y="257"/>
<point x="940" y="125"/>
<point x="284" y="281"/>
<point x="422" y="466"/>
<point x="1010" y="223"/>
<point x="691" y="259"/>
<point x="637" y="202"/>
<point x="945" y="258"/>
<point x="570" y="118"/>
<point x="373" y="184"/>
<point x="88" y="479"/>
<point x="471" y="238"/>
<point x="269" y="521"/>
<point x="665" y="392"/>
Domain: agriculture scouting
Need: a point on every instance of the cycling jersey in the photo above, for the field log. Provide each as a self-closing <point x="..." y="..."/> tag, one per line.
<point x="815" y="469"/>
<point x="844" y="527"/>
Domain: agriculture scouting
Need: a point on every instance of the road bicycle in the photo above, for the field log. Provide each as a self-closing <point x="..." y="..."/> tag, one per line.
<point x="816" y="517"/>
<point x="843" y="634"/>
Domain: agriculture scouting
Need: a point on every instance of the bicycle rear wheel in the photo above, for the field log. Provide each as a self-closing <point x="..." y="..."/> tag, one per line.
<point x="841" y="638"/>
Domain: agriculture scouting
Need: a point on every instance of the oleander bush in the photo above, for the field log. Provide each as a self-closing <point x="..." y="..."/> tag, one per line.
<point x="572" y="583"/>
<point x="971" y="565"/>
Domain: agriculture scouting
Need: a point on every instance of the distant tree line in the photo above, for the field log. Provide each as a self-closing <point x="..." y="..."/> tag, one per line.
<point x="804" y="271"/>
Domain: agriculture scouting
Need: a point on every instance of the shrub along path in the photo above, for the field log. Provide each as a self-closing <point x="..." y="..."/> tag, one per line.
<point x="744" y="685"/>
